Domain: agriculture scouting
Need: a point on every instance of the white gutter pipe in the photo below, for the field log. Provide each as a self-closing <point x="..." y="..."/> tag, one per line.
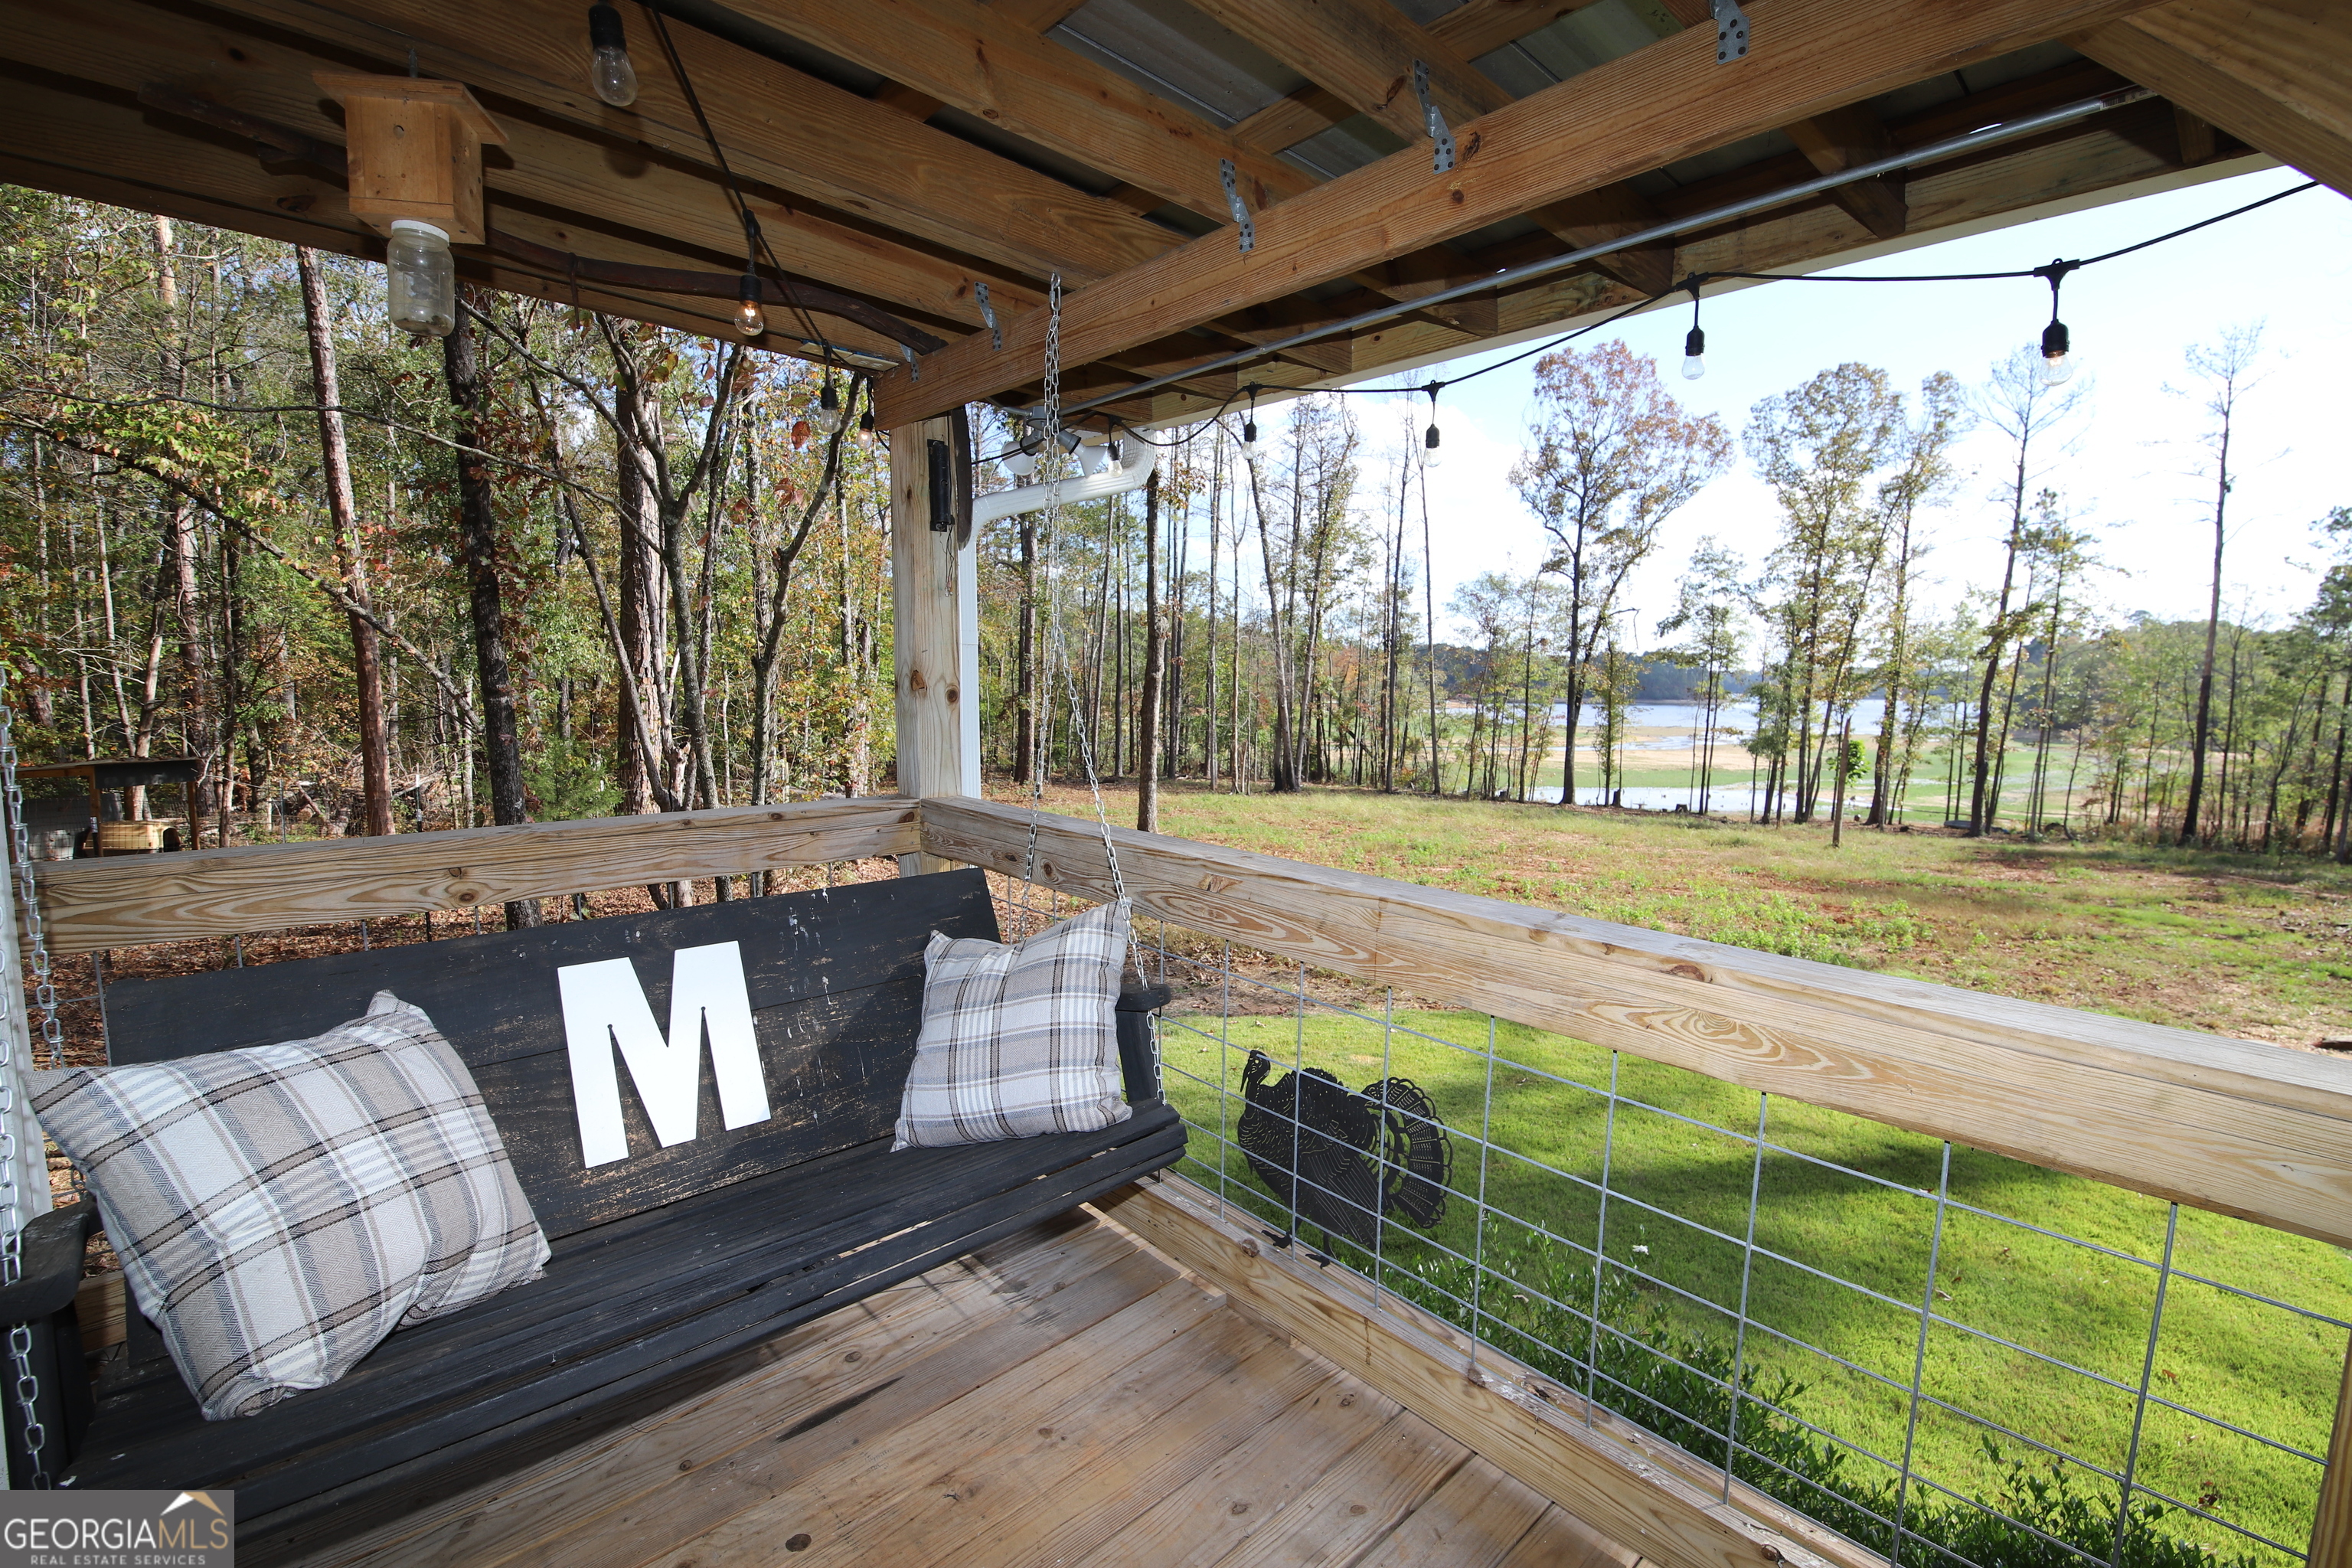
<point x="1135" y="467"/>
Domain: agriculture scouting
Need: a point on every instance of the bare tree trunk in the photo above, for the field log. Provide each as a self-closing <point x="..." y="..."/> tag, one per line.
<point x="375" y="760"/>
<point x="1155" y="645"/>
<point x="477" y="528"/>
<point x="636" y="585"/>
<point x="2204" y="720"/>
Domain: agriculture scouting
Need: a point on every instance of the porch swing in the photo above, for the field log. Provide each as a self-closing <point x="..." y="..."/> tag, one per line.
<point x="667" y="1264"/>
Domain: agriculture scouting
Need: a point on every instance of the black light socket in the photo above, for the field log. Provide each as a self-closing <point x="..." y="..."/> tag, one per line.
<point x="2054" y="344"/>
<point x="604" y="28"/>
<point x="1695" y="343"/>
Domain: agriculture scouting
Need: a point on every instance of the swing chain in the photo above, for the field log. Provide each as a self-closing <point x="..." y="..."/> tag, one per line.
<point x="45" y="991"/>
<point x="25" y="1385"/>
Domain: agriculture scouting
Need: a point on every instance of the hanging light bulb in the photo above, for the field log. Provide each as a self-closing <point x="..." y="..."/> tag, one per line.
<point x="865" y="428"/>
<point x="826" y="415"/>
<point x="1694" y="342"/>
<point x="1430" y="437"/>
<point x="420" y="280"/>
<point x="609" y="70"/>
<point x="749" y="319"/>
<point x="2057" y="355"/>
<point x="2057" y="361"/>
<point x="1249" y="427"/>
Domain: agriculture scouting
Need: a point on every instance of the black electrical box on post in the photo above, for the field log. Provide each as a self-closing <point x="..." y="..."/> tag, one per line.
<point x="943" y="516"/>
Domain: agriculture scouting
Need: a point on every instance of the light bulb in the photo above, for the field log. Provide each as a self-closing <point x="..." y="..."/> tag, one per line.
<point x="1019" y="461"/>
<point x="1249" y="437"/>
<point x="1694" y="354"/>
<point x="2057" y="361"/>
<point x="420" y="280"/>
<point x="609" y="70"/>
<point x="749" y="319"/>
<point x="826" y="415"/>
<point x="1429" y="442"/>
<point x="865" y="428"/>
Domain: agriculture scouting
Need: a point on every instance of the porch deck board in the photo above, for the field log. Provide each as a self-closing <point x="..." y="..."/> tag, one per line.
<point x="1065" y="1397"/>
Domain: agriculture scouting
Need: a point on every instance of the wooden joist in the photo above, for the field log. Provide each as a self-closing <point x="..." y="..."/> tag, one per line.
<point x="785" y="131"/>
<point x="2242" y="1129"/>
<point x="1663" y="102"/>
<point x="987" y="64"/>
<point x="2271" y="73"/>
<point x="127" y="901"/>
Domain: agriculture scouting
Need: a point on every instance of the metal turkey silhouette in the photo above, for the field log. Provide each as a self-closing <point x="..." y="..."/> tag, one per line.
<point x="1357" y="1156"/>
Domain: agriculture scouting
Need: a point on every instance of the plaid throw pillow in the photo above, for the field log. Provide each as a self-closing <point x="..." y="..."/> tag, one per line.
<point x="1021" y="1039"/>
<point x="279" y="1210"/>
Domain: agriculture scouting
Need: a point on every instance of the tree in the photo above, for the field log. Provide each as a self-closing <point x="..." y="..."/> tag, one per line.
<point x="2031" y="414"/>
<point x="2227" y="369"/>
<point x="1614" y="457"/>
<point x="1817" y="445"/>
<point x="1923" y="476"/>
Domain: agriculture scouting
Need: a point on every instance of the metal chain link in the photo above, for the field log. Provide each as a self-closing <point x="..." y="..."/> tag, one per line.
<point x="25" y="1386"/>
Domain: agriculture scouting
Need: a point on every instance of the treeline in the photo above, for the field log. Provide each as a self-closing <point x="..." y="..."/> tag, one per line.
<point x="560" y="565"/>
<point x="552" y="565"/>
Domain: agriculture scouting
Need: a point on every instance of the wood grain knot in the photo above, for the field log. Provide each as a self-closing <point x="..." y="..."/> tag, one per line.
<point x="1249" y="1245"/>
<point x="1771" y="1554"/>
<point x="797" y="1542"/>
<point x="1687" y="972"/>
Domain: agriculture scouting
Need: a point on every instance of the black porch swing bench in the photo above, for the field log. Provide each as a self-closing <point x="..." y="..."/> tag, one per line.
<point x="667" y="1264"/>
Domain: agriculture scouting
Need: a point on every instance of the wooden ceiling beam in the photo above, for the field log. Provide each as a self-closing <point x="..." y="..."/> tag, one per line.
<point x="1363" y="51"/>
<point x="103" y="148"/>
<point x="565" y="176"/>
<point x="781" y="130"/>
<point x="1668" y="101"/>
<point x="1037" y="16"/>
<point x="1842" y="139"/>
<point x="1471" y="29"/>
<point x="986" y="63"/>
<point x="2276" y="74"/>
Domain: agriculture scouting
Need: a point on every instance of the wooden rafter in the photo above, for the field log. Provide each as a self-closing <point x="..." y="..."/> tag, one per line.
<point x="967" y="55"/>
<point x="1667" y="102"/>
<point x="2269" y="72"/>
<point x="784" y="130"/>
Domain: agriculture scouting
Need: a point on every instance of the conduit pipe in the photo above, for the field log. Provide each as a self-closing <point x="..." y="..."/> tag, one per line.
<point x="1135" y="467"/>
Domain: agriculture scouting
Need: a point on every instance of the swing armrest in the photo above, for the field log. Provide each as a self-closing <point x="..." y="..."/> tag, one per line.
<point x="52" y="1252"/>
<point x="1139" y="1064"/>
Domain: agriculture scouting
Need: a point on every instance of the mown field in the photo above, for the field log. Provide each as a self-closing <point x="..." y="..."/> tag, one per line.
<point x="2235" y="945"/>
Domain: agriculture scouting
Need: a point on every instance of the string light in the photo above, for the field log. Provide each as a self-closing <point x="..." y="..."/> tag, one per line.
<point x="1430" y="437"/>
<point x="749" y="319"/>
<point x="826" y="415"/>
<point x="1249" y="427"/>
<point x="610" y="71"/>
<point x="1694" y="341"/>
<point x="865" y="428"/>
<point x="2057" y="355"/>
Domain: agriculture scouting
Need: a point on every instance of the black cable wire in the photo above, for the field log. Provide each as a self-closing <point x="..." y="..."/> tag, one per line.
<point x="743" y="212"/>
<point x="2056" y="270"/>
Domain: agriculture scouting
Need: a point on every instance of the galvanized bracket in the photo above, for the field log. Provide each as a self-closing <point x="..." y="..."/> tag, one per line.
<point x="1241" y="223"/>
<point x="1730" y="32"/>
<point x="1434" y="118"/>
<point x="988" y="314"/>
<point x="913" y="371"/>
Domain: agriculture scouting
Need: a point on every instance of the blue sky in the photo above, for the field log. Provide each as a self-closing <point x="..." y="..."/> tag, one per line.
<point x="2131" y="469"/>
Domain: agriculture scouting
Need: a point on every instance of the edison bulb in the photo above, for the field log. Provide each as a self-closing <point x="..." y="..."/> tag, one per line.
<point x="2057" y="360"/>
<point x="826" y="415"/>
<point x="750" y="320"/>
<point x="610" y="71"/>
<point x="1429" y="446"/>
<point x="1694" y="354"/>
<point x="420" y="280"/>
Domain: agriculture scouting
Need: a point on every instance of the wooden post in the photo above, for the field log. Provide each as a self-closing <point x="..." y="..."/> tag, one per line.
<point x="935" y="600"/>
<point x="2331" y="1525"/>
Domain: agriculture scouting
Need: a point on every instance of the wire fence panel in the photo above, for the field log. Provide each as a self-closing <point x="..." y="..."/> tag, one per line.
<point x="1946" y="1355"/>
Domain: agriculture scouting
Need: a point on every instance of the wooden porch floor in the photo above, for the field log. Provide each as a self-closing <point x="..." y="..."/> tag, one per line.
<point x="1064" y="1397"/>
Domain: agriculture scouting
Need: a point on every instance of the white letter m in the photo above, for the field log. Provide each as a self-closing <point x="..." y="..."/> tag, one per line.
<point x="603" y="1007"/>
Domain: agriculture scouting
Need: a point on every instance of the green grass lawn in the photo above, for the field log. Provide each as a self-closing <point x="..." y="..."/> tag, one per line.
<point x="2250" y="1364"/>
<point x="2243" y="945"/>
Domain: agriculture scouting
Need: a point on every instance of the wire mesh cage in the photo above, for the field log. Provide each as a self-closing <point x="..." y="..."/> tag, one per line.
<point x="1946" y="1355"/>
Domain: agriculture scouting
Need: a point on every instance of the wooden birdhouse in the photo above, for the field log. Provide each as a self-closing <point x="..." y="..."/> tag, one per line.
<point x="414" y="149"/>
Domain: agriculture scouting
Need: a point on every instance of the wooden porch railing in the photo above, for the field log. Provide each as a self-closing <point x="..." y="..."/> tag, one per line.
<point x="2243" y="1129"/>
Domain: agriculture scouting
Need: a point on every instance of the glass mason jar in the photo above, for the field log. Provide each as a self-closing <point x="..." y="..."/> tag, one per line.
<point x="421" y="279"/>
